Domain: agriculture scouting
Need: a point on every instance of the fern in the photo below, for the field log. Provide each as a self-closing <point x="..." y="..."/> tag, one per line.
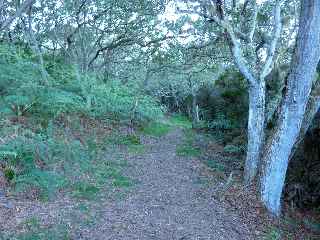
<point x="46" y="157"/>
<point x="4" y="154"/>
<point x="23" y="92"/>
<point x="46" y="182"/>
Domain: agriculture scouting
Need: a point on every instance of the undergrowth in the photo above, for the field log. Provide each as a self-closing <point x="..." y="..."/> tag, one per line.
<point x="181" y="121"/>
<point x="156" y="129"/>
<point x="23" y="92"/>
<point x="163" y="126"/>
<point x="188" y="147"/>
<point x="41" y="165"/>
<point x="45" y="149"/>
<point x="33" y="230"/>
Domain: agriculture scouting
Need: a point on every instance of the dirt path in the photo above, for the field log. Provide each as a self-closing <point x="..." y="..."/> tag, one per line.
<point x="168" y="203"/>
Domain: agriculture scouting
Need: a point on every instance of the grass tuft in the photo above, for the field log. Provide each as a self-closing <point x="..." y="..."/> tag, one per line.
<point x="122" y="182"/>
<point x="188" y="148"/>
<point x="188" y="151"/>
<point x="127" y="140"/>
<point x="136" y="149"/>
<point x="156" y="129"/>
<point x="33" y="230"/>
<point x="180" y="121"/>
<point x="85" y="190"/>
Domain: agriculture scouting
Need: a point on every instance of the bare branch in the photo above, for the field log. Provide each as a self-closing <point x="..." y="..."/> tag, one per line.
<point x="254" y="23"/>
<point x="276" y="36"/>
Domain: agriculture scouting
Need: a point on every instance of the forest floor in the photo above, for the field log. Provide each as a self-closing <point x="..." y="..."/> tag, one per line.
<point x="173" y="196"/>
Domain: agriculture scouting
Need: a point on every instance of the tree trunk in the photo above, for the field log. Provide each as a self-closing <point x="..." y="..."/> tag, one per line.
<point x="303" y="69"/>
<point x="313" y="107"/>
<point x="36" y="48"/>
<point x="195" y="111"/>
<point x="255" y="130"/>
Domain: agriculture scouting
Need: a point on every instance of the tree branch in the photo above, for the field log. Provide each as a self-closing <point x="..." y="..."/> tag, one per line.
<point x="276" y="36"/>
<point x="18" y="13"/>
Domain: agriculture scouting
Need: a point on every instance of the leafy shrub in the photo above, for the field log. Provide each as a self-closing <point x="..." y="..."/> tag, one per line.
<point x="213" y="164"/>
<point x="67" y="92"/>
<point x="45" y="157"/>
<point x="233" y="149"/>
<point x="120" y="102"/>
<point x="46" y="183"/>
<point x="42" y="165"/>
<point x="220" y="124"/>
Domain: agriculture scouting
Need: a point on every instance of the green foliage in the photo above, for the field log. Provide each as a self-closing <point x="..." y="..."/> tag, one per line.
<point x="25" y="174"/>
<point x="188" y="151"/>
<point x="213" y="164"/>
<point x="312" y="224"/>
<point x="188" y="148"/>
<point x="273" y="234"/>
<point x="43" y="157"/>
<point x="180" y="121"/>
<point x="189" y="136"/>
<point x="84" y="190"/>
<point x="120" y="102"/>
<point x="136" y="149"/>
<point x="9" y="173"/>
<point x="122" y="182"/>
<point x="156" y="129"/>
<point x="43" y="164"/>
<point x="225" y="104"/>
<point x="46" y="183"/>
<point x="34" y="231"/>
<point x="67" y="92"/>
<point x="130" y="139"/>
<point x="233" y="149"/>
<point x="220" y="123"/>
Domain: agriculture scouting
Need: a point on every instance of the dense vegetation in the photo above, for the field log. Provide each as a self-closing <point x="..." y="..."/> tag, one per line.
<point x="42" y="124"/>
<point x="74" y="74"/>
